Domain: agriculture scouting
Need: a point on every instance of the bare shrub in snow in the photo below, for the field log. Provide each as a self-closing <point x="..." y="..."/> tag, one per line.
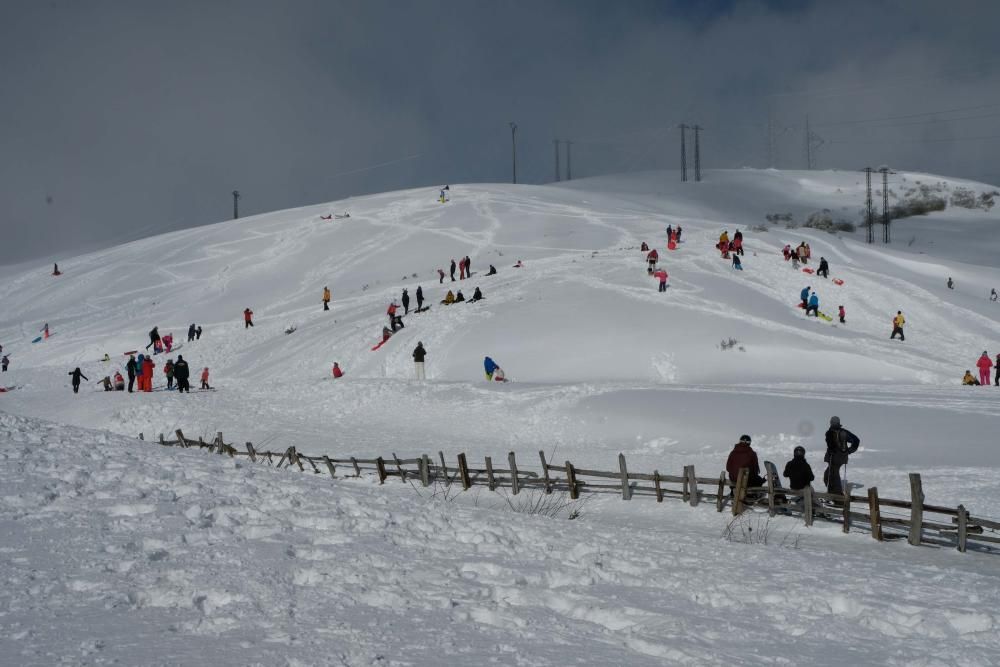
<point x="778" y="217"/>
<point x="821" y="220"/>
<point x="729" y="343"/>
<point x="986" y="199"/>
<point x="758" y="228"/>
<point x="753" y="528"/>
<point x="551" y="505"/>
<point x="844" y="226"/>
<point x="963" y="198"/>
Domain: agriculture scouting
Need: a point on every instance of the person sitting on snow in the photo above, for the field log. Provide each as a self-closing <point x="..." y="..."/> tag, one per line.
<point x="459" y="296"/>
<point x="337" y="373"/>
<point x="449" y="298"/>
<point x="519" y="265"/>
<point x="737" y="265"/>
<point x="107" y="383"/>
<point x="476" y="296"/>
<point x="119" y="381"/>
<point x="492" y="271"/>
<point x="968" y="379"/>
<point x="993" y="294"/>
<point x="490" y="367"/>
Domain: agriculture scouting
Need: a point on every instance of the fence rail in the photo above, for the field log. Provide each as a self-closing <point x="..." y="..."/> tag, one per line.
<point x="948" y="525"/>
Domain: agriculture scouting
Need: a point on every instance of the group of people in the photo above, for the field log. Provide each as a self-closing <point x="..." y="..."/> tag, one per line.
<point x="801" y="253"/>
<point x="984" y="364"/>
<point x="734" y="246"/>
<point x="810" y="302"/>
<point x="840" y="444"/>
<point x="162" y="343"/>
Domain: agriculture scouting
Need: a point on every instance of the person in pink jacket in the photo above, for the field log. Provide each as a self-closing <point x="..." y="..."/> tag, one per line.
<point x="984" y="364"/>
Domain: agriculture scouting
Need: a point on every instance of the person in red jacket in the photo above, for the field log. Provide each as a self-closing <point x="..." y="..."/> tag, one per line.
<point x="204" y="378"/>
<point x="743" y="456"/>
<point x="147" y="373"/>
<point x="662" y="275"/>
<point x="247" y="318"/>
<point x="337" y="373"/>
<point x="842" y="314"/>
<point x="652" y="258"/>
<point x="984" y="364"/>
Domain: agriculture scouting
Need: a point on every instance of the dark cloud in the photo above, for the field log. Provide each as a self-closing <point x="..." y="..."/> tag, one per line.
<point x="121" y="119"/>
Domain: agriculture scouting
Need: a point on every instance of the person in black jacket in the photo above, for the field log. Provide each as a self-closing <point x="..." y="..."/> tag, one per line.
<point x="840" y="444"/>
<point x="181" y="374"/>
<point x="452" y="270"/>
<point x="190" y="333"/>
<point x="130" y="367"/>
<point x="798" y="471"/>
<point x="154" y="336"/>
<point x="77" y="374"/>
<point x="824" y="268"/>
<point x="418" y="359"/>
<point x="420" y="298"/>
<point x="406" y="302"/>
<point x="476" y="296"/>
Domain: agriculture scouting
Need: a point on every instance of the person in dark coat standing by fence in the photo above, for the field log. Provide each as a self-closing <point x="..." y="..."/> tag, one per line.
<point x="798" y="471"/>
<point x="743" y="456"/>
<point x="77" y="374"/>
<point x="418" y="359"/>
<point x="840" y="444"/>
<point x="182" y="374"/>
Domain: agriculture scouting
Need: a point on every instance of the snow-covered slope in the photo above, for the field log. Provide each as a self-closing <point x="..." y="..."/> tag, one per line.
<point x="602" y="364"/>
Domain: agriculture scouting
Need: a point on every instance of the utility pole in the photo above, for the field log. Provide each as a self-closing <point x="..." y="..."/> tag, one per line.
<point x="812" y="141"/>
<point x="569" y="161"/>
<point x="556" y="143"/>
<point x="770" y="139"/>
<point x="697" y="155"/>
<point x="809" y="160"/>
<point x="684" y="161"/>
<point x="236" y="206"/>
<point x="885" y="204"/>
<point x="869" y="211"/>
<point x="513" y="150"/>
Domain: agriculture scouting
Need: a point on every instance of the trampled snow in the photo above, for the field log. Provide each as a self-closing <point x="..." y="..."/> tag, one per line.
<point x="118" y="550"/>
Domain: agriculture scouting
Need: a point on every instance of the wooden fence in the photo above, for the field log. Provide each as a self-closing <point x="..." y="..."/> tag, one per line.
<point x="885" y="518"/>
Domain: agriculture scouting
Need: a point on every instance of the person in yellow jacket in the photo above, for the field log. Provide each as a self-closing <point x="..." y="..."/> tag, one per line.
<point x="897" y="326"/>
<point x="724" y="237"/>
<point x="326" y="298"/>
<point x="449" y="298"/>
<point x="968" y="379"/>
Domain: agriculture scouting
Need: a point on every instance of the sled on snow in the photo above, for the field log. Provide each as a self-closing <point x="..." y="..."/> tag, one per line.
<point x="41" y="338"/>
<point x="808" y="270"/>
<point x="838" y="281"/>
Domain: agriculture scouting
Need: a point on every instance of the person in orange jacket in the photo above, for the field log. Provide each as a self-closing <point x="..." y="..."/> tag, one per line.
<point x="337" y="373"/>
<point x="147" y="373"/>
<point x="984" y="364"/>
<point x="247" y="318"/>
<point x="204" y="378"/>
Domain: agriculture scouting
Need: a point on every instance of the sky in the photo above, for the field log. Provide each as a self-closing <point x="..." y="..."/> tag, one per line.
<point x="123" y="119"/>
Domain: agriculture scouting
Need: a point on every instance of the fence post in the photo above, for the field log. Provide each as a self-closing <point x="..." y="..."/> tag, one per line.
<point x="218" y="436"/>
<point x="656" y="482"/>
<point x="180" y="438"/>
<point x="282" y="459"/>
<point x="295" y="453"/>
<point x="685" y="487"/>
<point x="916" y="508"/>
<point x="329" y="465"/>
<point x="380" y="466"/>
<point x="140" y="436"/>
<point x="489" y="474"/>
<point x="252" y="453"/>
<point x="399" y="467"/>
<point x="720" y="499"/>
<point x="693" y="486"/>
<point x="357" y="468"/>
<point x="463" y="471"/>
<point x="770" y="494"/>
<point x="807" y="504"/>
<point x="963" y="527"/>
<point x="571" y="478"/>
<point x="875" y="513"/>
<point x="162" y="441"/>
<point x="741" y="490"/>
<point x="444" y="469"/>
<point x="425" y="470"/>
<point x="847" y="511"/>
<point x="545" y="472"/>
<point x="515" y="484"/>
<point x="626" y="489"/>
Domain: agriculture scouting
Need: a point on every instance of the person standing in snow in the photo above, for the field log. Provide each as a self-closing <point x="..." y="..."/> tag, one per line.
<point x="197" y="333"/>
<point x="204" y="378"/>
<point x="662" y="276"/>
<point x="147" y="374"/>
<point x="247" y="318"/>
<point x="798" y="471"/>
<point x="840" y="444"/>
<point x="490" y="367"/>
<point x="77" y="374"/>
<point x="138" y="371"/>
<point x="843" y="314"/>
<point x="326" y="298"/>
<point x="736" y="245"/>
<point x="984" y="364"/>
<point x="804" y="295"/>
<point x="461" y="269"/>
<point x="5" y="362"/>
<point x="420" y="298"/>
<point x="168" y="370"/>
<point x="406" y="302"/>
<point x="452" y="270"/>
<point x="418" y="359"/>
<point x="130" y="368"/>
<point x="897" y="326"/>
<point x="951" y="283"/>
<point x="787" y="252"/>
<point x="182" y="373"/>
<point x="824" y="268"/>
<point x="743" y="456"/>
<point x="993" y="294"/>
<point x="191" y="333"/>
<point x="996" y="372"/>
<point x="55" y="270"/>
<point x="154" y="338"/>
<point x="813" y="304"/>
<point x="468" y="266"/>
<point x="651" y="260"/>
<point x="391" y="312"/>
<point x="440" y="276"/>
<point x="737" y="264"/>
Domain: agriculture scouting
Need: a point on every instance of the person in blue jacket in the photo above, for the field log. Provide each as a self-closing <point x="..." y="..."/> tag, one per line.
<point x="813" y="304"/>
<point x="490" y="366"/>
<point x="804" y="295"/>
<point x="737" y="265"/>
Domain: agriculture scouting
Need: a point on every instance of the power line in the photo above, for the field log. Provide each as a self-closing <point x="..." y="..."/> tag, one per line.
<point x="915" y="141"/>
<point x="915" y="115"/>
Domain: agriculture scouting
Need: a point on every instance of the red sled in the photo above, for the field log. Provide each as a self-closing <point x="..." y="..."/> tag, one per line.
<point x="380" y="344"/>
<point x="326" y="217"/>
<point x="130" y="353"/>
<point x="671" y="246"/>
<point x="838" y="281"/>
<point x="807" y="270"/>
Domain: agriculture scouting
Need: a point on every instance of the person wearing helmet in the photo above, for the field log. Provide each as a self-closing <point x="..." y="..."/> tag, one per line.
<point x="743" y="456"/>
<point x="840" y="444"/>
<point x="798" y="471"/>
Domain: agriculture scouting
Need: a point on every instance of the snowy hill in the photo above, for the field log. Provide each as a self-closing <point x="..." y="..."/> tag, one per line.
<point x="602" y="362"/>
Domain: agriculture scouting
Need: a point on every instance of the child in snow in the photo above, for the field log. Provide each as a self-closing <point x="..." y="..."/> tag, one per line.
<point x="787" y="252"/>
<point x="645" y="246"/>
<point x="449" y="298"/>
<point x="804" y="295"/>
<point x="993" y="294"/>
<point x="662" y="275"/>
<point x="798" y="471"/>
<point x="968" y="379"/>
<point x="326" y="298"/>
<point x="77" y="374"/>
<point x="519" y="265"/>
<point x="651" y="260"/>
<point x="842" y="313"/>
<point x="492" y="271"/>
<point x="459" y="296"/>
<point x="119" y="381"/>
<point x="824" y="268"/>
<point x="5" y="362"/>
<point x="168" y="370"/>
<point x="951" y="283"/>
<point x="985" y="364"/>
<point x="247" y="318"/>
<point x="476" y="296"/>
<point x="489" y="366"/>
<point x="197" y="333"/>
<point x="440" y="276"/>
<point x="897" y="326"/>
<point x="204" y="378"/>
<point x="107" y="383"/>
<point x="337" y="373"/>
<point x="168" y="342"/>
<point x="737" y="265"/>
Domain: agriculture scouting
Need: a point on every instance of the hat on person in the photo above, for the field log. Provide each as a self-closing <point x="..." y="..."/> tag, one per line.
<point x="799" y="451"/>
<point x="834" y="421"/>
<point x="745" y="438"/>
